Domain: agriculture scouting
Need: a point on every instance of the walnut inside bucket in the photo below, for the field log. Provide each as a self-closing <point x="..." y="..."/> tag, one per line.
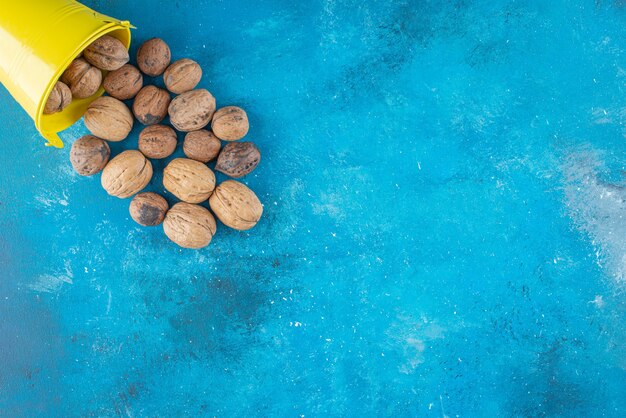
<point x="107" y="53"/>
<point x="60" y="97"/>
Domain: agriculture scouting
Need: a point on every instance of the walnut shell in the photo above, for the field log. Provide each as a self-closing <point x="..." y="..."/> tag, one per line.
<point x="123" y="83"/>
<point x="109" y="118"/>
<point x="238" y="159"/>
<point x="230" y="123"/>
<point x="89" y="155"/>
<point x="201" y="145"/>
<point x="190" y="226"/>
<point x="192" y="110"/>
<point x="157" y="141"/>
<point x="153" y="57"/>
<point x="60" y="97"/>
<point x="189" y="180"/>
<point x="148" y="209"/>
<point x="126" y="174"/>
<point x="151" y="105"/>
<point x="107" y="53"/>
<point x="236" y="205"/>
<point x="82" y="78"/>
<point x="183" y="75"/>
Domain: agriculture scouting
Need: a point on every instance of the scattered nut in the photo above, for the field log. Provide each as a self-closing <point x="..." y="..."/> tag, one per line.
<point x="60" y="97"/>
<point x="238" y="159"/>
<point x="183" y="75"/>
<point x="148" y="209"/>
<point x="192" y="110"/>
<point x="107" y="53"/>
<point x="126" y="174"/>
<point x="151" y="105"/>
<point x="230" y="123"/>
<point x="109" y="118"/>
<point x="190" y="226"/>
<point x="82" y="78"/>
<point x="89" y="155"/>
<point x="123" y="83"/>
<point x="153" y="57"/>
<point x="157" y="141"/>
<point x="189" y="180"/>
<point x="201" y="145"/>
<point x="236" y="205"/>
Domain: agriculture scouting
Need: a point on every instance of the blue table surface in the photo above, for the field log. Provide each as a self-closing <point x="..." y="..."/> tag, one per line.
<point x="443" y="235"/>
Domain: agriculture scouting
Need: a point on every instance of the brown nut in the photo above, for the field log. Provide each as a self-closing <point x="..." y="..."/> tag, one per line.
<point x="151" y="104"/>
<point x="238" y="159"/>
<point x="230" y="123"/>
<point x="183" y="75"/>
<point x="192" y="110"/>
<point x="201" y="145"/>
<point x="189" y="180"/>
<point x="190" y="226"/>
<point x="89" y="155"/>
<point x="157" y="141"/>
<point x="148" y="209"/>
<point x="123" y="83"/>
<point x="60" y="97"/>
<point x="126" y="174"/>
<point x="236" y="205"/>
<point x="82" y="78"/>
<point x="107" y="53"/>
<point x="153" y="57"/>
<point x="109" y="118"/>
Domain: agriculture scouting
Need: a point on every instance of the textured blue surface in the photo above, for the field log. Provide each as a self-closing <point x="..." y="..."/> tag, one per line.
<point x="443" y="233"/>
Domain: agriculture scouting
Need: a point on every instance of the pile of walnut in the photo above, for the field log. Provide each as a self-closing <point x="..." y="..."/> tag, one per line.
<point x="189" y="179"/>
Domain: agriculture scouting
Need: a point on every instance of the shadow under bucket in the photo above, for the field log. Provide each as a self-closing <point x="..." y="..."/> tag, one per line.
<point x="38" y="40"/>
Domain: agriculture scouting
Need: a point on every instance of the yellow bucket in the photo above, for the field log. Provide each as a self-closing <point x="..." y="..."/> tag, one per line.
<point x="38" y="41"/>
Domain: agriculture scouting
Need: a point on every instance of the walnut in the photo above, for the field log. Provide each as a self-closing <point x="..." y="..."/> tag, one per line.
<point x="201" y="145"/>
<point x="238" y="159"/>
<point x="109" y="118"/>
<point x="183" y="75"/>
<point x="189" y="180"/>
<point x="157" y="141"/>
<point x="60" y="97"/>
<point x="89" y="155"/>
<point x="123" y="83"/>
<point x="192" y="110"/>
<point x="151" y="105"/>
<point x="190" y="226"/>
<point x="126" y="174"/>
<point x="236" y="205"/>
<point x="107" y="53"/>
<point x="148" y="209"/>
<point x="82" y="78"/>
<point x="153" y="57"/>
<point x="230" y="123"/>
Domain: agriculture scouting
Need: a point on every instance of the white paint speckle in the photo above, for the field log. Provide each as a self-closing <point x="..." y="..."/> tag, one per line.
<point x="598" y="301"/>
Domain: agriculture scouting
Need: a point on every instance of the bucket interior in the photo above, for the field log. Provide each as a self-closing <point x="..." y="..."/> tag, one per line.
<point x="57" y="122"/>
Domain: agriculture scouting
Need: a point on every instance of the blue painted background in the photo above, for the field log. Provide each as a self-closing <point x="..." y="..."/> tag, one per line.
<point x="443" y="233"/>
